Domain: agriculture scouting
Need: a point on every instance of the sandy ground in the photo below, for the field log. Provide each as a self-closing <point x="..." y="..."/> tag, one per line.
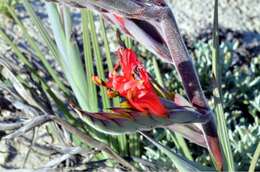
<point x="237" y="15"/>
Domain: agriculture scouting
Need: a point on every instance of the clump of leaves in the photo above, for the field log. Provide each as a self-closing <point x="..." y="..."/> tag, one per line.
<point x="244" y="141"/>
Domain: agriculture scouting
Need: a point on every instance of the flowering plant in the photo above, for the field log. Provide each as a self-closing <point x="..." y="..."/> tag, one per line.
<point x="152" y="23"/>
<point x="141" y="108"/>
<point x="133" y="84"/>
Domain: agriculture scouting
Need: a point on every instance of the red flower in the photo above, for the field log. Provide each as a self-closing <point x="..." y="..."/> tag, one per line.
<point x="133" y="84"/>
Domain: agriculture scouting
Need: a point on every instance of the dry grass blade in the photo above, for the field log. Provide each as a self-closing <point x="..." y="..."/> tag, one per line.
<point x="55" y="162"/>
<point x="94" y="143"/>
<point x="35" y="132"/>
<point x="39" y="120"/>
<point x="4" y="126"/>
<point x="8" y="74"/>
<point x="31" y="124"/>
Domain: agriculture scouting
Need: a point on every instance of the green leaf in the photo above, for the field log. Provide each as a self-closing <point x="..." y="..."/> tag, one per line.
<point x="42" y="30"/>
<point x="217" y="92"/>
<point x="89" y="62"/>
<point x="69" y="57"/>
<point x="182" y="164"/>
<point x="98" y="58"/>
<point x="255" y="159"/>
<point x="38" y="52"/>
